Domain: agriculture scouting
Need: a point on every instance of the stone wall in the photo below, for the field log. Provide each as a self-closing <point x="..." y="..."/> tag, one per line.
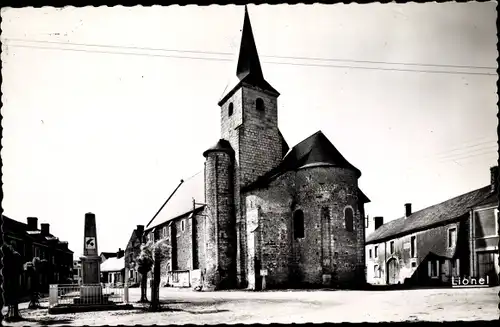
<point x="220" y="223"/>
<point x="324" y="193"/>
<point x="269" y="232"/>
<point x="255" y="138"/>
<point x="431" y="240"/>
<point x="328" y="253"/>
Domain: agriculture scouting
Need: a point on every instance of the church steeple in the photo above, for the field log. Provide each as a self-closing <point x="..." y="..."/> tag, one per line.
<point x="248" y="70"/>
<point x="248" y="60"/>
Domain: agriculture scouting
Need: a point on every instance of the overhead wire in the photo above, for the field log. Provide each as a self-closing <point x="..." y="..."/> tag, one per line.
<point x="269" y="62"/>
<point x="264" y="56"/>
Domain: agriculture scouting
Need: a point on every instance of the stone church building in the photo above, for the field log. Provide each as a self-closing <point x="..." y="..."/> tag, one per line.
<point x="260" y="209"/>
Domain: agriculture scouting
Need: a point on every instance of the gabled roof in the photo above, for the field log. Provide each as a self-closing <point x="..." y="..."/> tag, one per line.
<point x="440" y="213"/>
<point x="113" y="264"/>
<point x="316" y="150"/>
<point x="248" y="70"/>
<point x="182" y="200"/>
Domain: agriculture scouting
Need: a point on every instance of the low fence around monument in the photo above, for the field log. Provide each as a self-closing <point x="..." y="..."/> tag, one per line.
<point x="72" y="294"/>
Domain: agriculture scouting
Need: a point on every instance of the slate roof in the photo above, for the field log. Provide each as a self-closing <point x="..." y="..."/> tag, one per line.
<point x="249" y="70"/>
<point x="221" y="146"/>
<point x="113" y="264"/>
<point x="181" y="201"/>
<point x="440" y="213"/>
<point x="316" y="150"/>
<point x="490" y="200"/>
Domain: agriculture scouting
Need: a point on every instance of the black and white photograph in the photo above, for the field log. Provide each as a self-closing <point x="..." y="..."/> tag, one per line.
<point x="250" y="163"/>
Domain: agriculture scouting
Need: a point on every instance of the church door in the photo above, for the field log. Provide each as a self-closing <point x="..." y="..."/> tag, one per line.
<point x="392" y="271"/>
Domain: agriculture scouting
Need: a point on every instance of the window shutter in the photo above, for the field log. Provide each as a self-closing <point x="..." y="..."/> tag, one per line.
<point x="429" y="266"/>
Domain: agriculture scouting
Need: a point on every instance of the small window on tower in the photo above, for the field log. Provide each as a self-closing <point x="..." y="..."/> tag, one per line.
<point x="259" y="104"/>
<point x="298" y="224"/>
<point x="348" y="216"/>
<point x="230" y="109"/>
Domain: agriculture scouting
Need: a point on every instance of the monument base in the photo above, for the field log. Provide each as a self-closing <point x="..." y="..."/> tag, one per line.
<point x="91" y="294"/>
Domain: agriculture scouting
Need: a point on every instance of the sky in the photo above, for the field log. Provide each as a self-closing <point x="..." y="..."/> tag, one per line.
<point x="106" y="109"/>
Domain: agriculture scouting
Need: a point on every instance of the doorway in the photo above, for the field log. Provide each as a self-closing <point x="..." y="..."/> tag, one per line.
<point x="392" y="271"/>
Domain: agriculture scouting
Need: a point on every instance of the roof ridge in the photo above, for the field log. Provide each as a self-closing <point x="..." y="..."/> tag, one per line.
<point x="441" y="212"/>
<point x="445" y="201"/>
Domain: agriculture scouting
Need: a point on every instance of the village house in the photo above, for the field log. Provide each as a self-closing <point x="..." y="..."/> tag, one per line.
<point x="113" y="267"/>
<point x="132" y="251"/>
<point x="260" y="211"/>
<point x="106" y="255"/>
<point x="456" y="238"/>
<point x="30" y="242"/>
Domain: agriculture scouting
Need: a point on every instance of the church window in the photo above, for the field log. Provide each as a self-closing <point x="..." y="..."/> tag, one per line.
<point x="348" y="216"/>
<point x="182" y="225"/>
<point x="230" y="109"/>
<point x="298" y="224"/>
<point x="259" y="104"/>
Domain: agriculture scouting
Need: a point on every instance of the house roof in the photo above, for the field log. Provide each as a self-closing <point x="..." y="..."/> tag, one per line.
<point x="181" y="201"/>
<point x="19" y="229"/>
<point x="113" y="264"/>
<point x="13" y="226"/>
<point x="440" y="213"/>
<point x="248" y="70"/>
<point x="108" y="255"/>
<point x="490" y="200"/>
<point x="316" y="150"/>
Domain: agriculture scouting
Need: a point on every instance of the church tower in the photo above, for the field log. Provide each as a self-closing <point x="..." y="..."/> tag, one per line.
<point x="249" y="114"/>
<point x="249" y="122"/>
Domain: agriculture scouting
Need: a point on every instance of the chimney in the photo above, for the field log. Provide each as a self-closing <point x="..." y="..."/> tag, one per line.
<point x="64" y="244"/>
<point x="120" y="253"/>
<point x="379" y="221"/>
<point x="32" y="223"/>
<point x="407" y="210"/>
<point x="494" y="179"/>
<point x="45" y="229"/>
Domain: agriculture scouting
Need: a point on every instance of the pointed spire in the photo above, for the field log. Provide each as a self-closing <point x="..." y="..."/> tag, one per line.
<point x="248" y="70"/>
<point x="248" y="60"/>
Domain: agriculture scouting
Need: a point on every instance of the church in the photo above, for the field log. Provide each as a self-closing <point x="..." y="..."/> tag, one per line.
<point x="261" y="214"/>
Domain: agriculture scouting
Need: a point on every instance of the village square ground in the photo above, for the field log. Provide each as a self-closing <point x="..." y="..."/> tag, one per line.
<point x="186" y="306"/>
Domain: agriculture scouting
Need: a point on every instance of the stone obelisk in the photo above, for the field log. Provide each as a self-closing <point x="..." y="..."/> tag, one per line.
<point x="91" y="290"/>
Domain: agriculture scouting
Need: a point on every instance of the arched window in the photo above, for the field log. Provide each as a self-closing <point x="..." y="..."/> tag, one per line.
<point x="298" y="224"/>
<point x="348" y="216"/>
<point x="230" y="109"/>
<point x="259" y="104"/>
